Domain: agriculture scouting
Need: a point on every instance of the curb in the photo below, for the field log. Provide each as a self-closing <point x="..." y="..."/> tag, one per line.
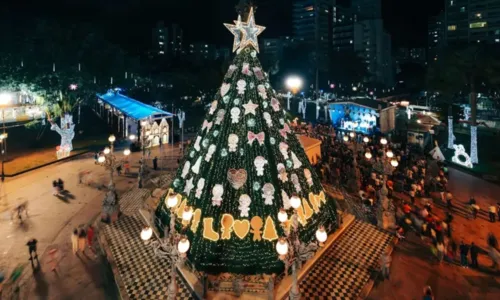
<point x="475" y="174"/>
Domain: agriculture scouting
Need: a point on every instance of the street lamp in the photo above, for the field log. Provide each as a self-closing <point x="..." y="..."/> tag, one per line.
<point x="5" y="99"/>
<point x="366" y="139"/>
<point x="346" y="138"/>
<point x="394" y="163"/>
<point x="383" y="141"/>
<point x="293" y="83"/>
<point x="389" y="154"/>
<point x="321" y="235"/>
<point x="368" y="155"/>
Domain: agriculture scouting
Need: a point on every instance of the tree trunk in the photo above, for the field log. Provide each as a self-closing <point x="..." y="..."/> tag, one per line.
<point x="473" y="126"/>
<point x="450" y="128"/>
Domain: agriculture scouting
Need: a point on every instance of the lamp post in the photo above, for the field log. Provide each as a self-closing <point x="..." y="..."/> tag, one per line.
<point x="293" y="83"/>
<point x="110" y="205"/>
<point x="173" y="246"/>
<point x="143" y="151"/>
<point x="5" y="99"/>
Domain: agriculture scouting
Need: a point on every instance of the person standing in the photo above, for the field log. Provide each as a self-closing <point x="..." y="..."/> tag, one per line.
<point x="74" y="240"/>
<point x="474" y="251"/>
<point x="492" y="211"/>
<point x="82" y="240"/>
<point x="464" y="250"/>
<point x="385" y="262"/>
<point x="32" y="249"/>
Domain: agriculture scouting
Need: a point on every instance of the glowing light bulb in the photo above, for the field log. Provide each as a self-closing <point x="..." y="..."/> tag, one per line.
<point x="282" y="215"/>
<point x="146" y="233"/>
<point x="172" y="200"/>
<point x="295" y="201"/>
<point x="321" y="234"/>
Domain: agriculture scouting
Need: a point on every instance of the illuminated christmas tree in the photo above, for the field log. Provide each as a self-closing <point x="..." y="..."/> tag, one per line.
<point x="243" y="168"/>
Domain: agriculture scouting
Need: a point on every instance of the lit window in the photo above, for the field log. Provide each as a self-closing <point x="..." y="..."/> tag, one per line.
<point x="350" y="42"/>
<point x="451" y="2"/>
<point x="161" y="52"/>
<point x="452" y="27"/>
<point x="206" y="46"/>
<point x="478" y="15"/>
<point x="161" y="43"/>
<point x="462" y="9"/>
<point x="161" y="37"/>
<point x="310" y="8"/>
<point x="477" y="25"/>
<point x="497" y="40"/>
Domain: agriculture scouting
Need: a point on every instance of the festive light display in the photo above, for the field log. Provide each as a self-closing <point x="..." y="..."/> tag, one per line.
<point x="257" y="161"/>
<point x="460" y="152"/>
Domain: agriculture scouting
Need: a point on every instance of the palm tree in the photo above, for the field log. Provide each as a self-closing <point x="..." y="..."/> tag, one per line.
<point x="471" y="70"/>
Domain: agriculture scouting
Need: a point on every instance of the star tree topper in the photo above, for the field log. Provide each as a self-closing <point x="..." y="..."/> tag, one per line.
<point x="249" y="32"/>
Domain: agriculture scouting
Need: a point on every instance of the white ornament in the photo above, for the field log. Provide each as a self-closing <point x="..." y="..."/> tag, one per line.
<point x="250" y="108"/>
<point x="308" y="175"/>
<point x="232" y="142"/>
<point x="197" y="143"/>
<point x="284" y="149"/>
<point x="217" y="192"/>
<point x="235" y="115"/>
<point x="259" y="164"/>
<point x="185" y="169"/>
<point x="189" y="186"/>
<point x="296" y="183"/>
<point x="196" y="167"/>
<point x="244" y="207"/>
<point x="224" y="89"/>
<point x="282" y="174"/>
<point x="210" y="152"/>
<point x="199" y="187"/>
<point x="267" y="118"/>
<point x="268" y="193"/>
<point x="258" y="73"/>
<point x="246" y="69"/>
<point x="460" y="151"/>
<point x="262" y="91"/>
<point x="213" y="107"/>
<point x="220" y="116"/>
<point x="253" y="54"/>
<point x="286" y="200"/>
<point x="296" y="162"/>
<point x="242" y="84"/>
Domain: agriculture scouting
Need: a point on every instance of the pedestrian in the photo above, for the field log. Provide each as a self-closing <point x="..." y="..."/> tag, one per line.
<point x="428" y="293"/>
<point x="449" y="197"/>
<point x="96" y="157"/>
<point x="82" y="240"/>
<point x="55" y="188"/>
<point x="90" y="236"/>
<point x="32" y="249"/>
<point x="155" y="163"/>
<point x="472" y="200"/>
<point x="60" y="184"/>
<point x="385" y="263"/>
<point x="492" y="211"/>
<point x="74" y="240"/>
<point x="474" y="210"/>
<point x="474" y="251"/>
<point x="440" y="251"/>
<point x="464" y="250"/>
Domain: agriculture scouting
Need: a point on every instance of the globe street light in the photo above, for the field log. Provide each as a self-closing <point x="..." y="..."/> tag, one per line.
<point x="293" y="83"/>
<point x="366" y="139"/>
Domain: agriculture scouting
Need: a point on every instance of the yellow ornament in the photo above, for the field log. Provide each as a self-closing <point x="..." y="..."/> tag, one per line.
<point x="227" y="222"/>
<point x="241" y="228"/>
<point x="314" y="202"/>
<point x="270" y="233"/>
<point x="256" y="224"/>
<point x="322" y="197"/>
<point x="208" y="231"/>
<point x="196" y="220"/>
<point x="180" y="209"/>
<point x="301" y="216"/>
<point x="308" y="211"/>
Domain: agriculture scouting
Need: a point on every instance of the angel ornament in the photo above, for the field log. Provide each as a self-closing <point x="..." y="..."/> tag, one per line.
<point x="197" y="143"/>
<point x="220" y="116"/>
<point x="241" y="86"/>
<point x="282" y="174"/>
<point x="244" y="207"/>
<point x="296" y="183"/>
<point x="286" y="200"/>
<point x="217" y="192"/>
<point x="284" y="149"/>
<point x="235" y="115"/>
<point x="262" y="91"/>
<point x="210" y="152"/>
<point x="296" y="162"/>
<point x="213" y="107"/>
<point x="259" y="163"/>
<point x="267" y="118"/>
<point x="268" y="194"/>
<point x="232" y="142"/>
<point x="199" y="187"/>
<point x="185" y="169"/>
<point x="308" y="175"/>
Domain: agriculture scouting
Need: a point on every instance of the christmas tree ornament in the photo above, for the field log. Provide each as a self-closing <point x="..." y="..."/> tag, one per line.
<point x="197" y="143"/>
<point x="251" y="122"/>
<point x="235" y="115"/>
<point x="177" y="183"/>
<point x="246" y="69"/>
<point x="272" y="140"/>
<point x="236" y="31"/>
<point x="208" y="230"/>
<point x="205" y="143"/>
<point x="253" y="54"/>
<point x="227" y="223"/>
<point x="237" y="177"/>
<point x="284" y="149"/>
<point x="252" y="85"/>
<point x="196" y="167"/>
<point x="282" y="121"/>
<point x="220" y="116"/>
<point x="213" y="107"/>
<point x="285" y="199"/>
<point x="192" y="154"/>
<point x="308" y="176"/>
<point x="282" y="174"/>
<point x="258" y="73"/>
<point x="256" y="224"/>
<point x="270" y="233"/>
<point x="241" y="86"/>
<point x="223" y="152"/>
<point x="250" y="108"/>
<point x="206" y="125"/>
<point x="259" y="164"/>
<point x="259" y="137"/>
<point x="215" y="133"/>
<point x="256" y="186"/>
<point x="268" y="193"/>
<point x="267" y="86"/>
<point x="264" y="104"/>
<point x="236" y="101"/>
<point x="241" y="228"/>
<point x="296" y="183"/>
<point x="185" y="169"/>
<point x="244" y="207"/>
<point x="224" y="89"/>
<point x="250" y="32"/>
<point x="275" y="104"/>
<point x="217" y="192"/>
<point x="231" y="70"/>
<point x="289" y="164"/>
<point x="225" y="99"/>
<point x="262" y="91"/>
<point x="267" y="118"/>
<point x="199" y="187"/>
<point x="189" y="186"/>
<point x="196" y="220"/>
<point x="296" y="162"/>
<point x="232" y="142"/>
<point x="210" y="152"/>
<point x="242" y="152"/>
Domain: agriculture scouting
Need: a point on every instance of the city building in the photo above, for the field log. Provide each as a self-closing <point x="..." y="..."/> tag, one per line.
<point x="313" y="24"/>
<point x="343" y="28"/>
<point x="201" y="51"/>
<point x="435" y="37"/>
<point x="472" y="21"/>
<point x="273" y="48"/>
<point x="167" y="41"/>
<point x="367" y="9"/>
<point x="411" y="55"/>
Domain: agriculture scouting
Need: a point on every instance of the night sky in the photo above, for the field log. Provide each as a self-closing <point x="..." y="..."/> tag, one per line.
<point x="129" y="22"/>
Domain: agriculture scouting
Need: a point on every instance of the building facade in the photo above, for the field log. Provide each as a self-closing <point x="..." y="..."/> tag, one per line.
<point x="472" y="21"/>
<point x="167" y="40"/>
<point x="367" y="9"/>
<point x="435" y="37"/>
<point x="411" y="55"/>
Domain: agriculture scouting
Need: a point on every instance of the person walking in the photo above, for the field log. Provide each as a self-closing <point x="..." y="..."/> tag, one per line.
<point x="155" y="163"/>
<point x="464" y="250"/>
<point x="32" y="249"/>
<point x="82" y="240"/>
<point x="74" y="240"/>
<point x="492" y="211"/>
<point x="55" y="188"/>
<point x="474" y="251"/>
<point x="96" y="157"/>
<point x="440" y="251"/>
<point x="385" y="263"/>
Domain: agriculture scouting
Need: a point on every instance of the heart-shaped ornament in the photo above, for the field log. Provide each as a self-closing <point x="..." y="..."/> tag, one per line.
<point x="241" y="228"/>
<point x="224" y="89"/>
<point x="237" y="177"/>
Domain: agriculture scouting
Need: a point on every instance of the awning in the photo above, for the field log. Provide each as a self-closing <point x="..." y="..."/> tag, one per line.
<point x="131" y="107"/>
